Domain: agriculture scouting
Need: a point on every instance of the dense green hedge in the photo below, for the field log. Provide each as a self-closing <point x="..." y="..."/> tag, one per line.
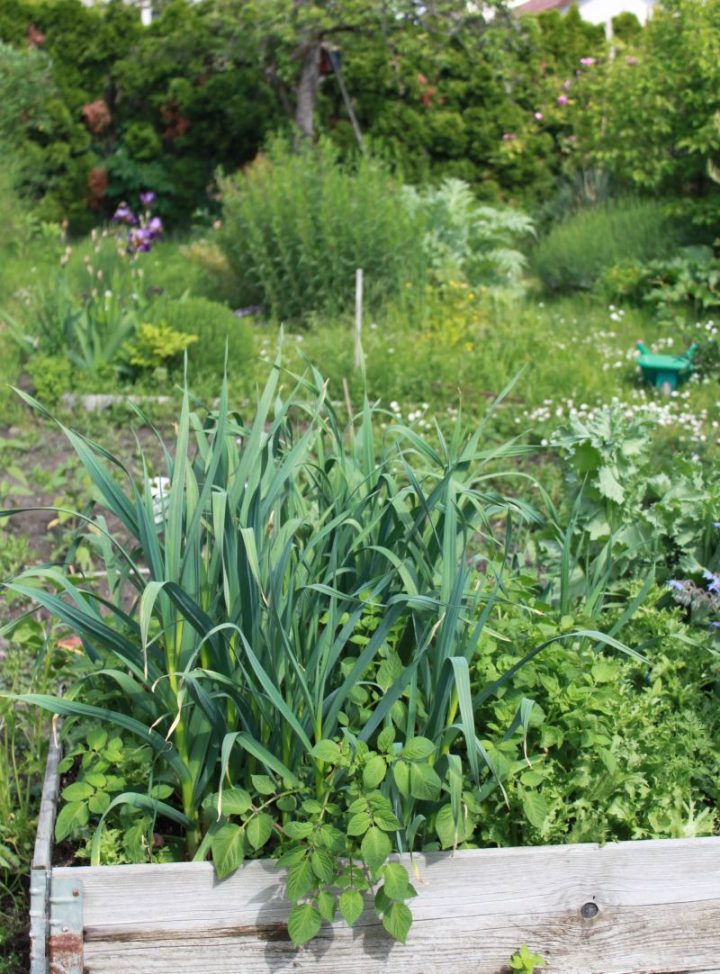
<point x="131" y="108"/>
<point x="163" y="107"/>
<point x="515" y="109"/>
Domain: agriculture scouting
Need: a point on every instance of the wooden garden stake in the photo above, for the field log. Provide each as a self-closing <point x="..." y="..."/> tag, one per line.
<point x="358" y="316"/>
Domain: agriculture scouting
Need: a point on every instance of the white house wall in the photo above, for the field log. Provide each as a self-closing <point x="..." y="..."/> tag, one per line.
<point x="602" y="11"/>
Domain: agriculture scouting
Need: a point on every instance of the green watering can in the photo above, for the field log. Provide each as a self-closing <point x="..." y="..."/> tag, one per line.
<point x="665" y="372"/>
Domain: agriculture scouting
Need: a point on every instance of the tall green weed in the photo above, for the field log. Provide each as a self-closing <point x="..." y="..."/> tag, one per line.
<point x="297" y="226"/>
<point x="27" y="660"/>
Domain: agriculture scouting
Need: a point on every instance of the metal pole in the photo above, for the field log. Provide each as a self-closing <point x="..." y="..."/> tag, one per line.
<point x="334" y="59"/>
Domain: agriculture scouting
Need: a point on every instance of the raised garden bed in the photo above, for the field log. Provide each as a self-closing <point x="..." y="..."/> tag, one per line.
<point x="300" y="659"/>
<point x="623" y="908"/>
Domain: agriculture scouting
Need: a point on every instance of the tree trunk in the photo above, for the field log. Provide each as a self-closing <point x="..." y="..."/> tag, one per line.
<point x="307" y="89"/>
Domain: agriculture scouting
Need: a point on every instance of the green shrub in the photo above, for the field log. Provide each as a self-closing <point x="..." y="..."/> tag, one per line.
<point x="50" y="147"/>
<point x="126" y="109"/>
<point x="214" y="326"/>
<point x="647" y="116"/>
<point x="51" y="376"/>
<point x="574" y="255"/>
<point x="162" y="109"/>
<point x="684" y="285"/>
<point x="469" y="110"/>
<point x="296" y="228"/>
<point x="155" y="345"/>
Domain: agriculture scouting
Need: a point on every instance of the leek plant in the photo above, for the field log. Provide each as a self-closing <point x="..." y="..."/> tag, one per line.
<point x="292" y="588"/>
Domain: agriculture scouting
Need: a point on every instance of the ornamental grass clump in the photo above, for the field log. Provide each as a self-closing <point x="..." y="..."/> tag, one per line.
<point x="576" y="253"/>
<point x="287" y="624"/>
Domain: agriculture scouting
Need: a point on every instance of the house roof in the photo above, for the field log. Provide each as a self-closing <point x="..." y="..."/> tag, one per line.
<point x="540" y="6"/>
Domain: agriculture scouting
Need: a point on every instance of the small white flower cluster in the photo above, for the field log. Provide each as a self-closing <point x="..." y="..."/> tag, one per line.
<point x="669" y="413"/>
<point x="269" y="345"/>
<point x="417" y="415"/>
<point x="616" y="314"/>
<point x="603" y="342"/>
<point x="266" y="351"/>
<point x="708" y="326"/>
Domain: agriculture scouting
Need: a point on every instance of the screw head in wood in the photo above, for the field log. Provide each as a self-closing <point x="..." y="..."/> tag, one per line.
<point x="589" y="910"/>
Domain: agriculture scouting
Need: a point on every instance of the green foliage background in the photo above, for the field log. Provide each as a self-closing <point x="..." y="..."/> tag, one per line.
<point x="191" y="93"/>
<point x="509" y="108"/>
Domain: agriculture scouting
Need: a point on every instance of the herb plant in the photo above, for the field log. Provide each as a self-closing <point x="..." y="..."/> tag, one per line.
<point x="296" y="226"/>
<point x="525" y="961"/>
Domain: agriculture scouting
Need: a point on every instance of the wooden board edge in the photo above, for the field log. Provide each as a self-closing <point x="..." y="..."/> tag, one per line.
<point x="424" y="859"/>
<point x="42" y="856"/>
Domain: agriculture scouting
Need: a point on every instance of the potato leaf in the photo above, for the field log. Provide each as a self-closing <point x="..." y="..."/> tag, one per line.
<point x="228" y="849"/>
<point x="303" y="923"/>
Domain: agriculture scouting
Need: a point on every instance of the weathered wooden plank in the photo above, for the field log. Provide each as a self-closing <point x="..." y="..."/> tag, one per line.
<point x="187" y="896"/>
<point x="645" y="941"/>
<point x="658" y="910"/>
<point x="42" y="858"/>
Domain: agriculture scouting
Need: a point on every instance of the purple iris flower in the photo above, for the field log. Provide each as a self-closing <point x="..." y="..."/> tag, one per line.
<point x="155" y="226"/>
<point x="123" y="214"/>
<point x="147" y="198"/>
<point x="678" y="586"/>
<point x="139" y="240"/>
